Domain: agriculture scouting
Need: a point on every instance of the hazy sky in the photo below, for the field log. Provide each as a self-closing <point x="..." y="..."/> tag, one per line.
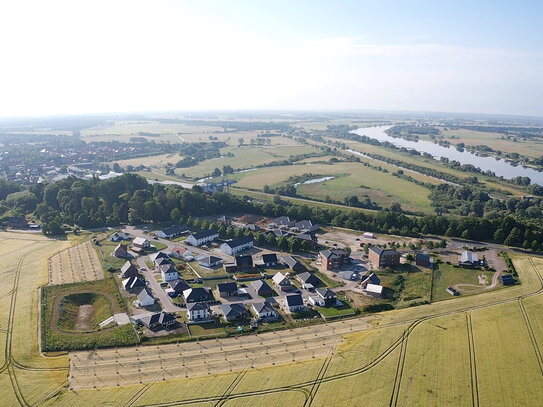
<point x="119" y="56"/>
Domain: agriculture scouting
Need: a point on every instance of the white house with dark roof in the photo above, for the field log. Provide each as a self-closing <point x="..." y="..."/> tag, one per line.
<point x="282" y="282"/>
<point x="168" y="272"/>
<point x="264" y="310"/>
<point x="119" y="237"/>
<point x="203" y="237"/>
<point x="198" y="311"/>
<point x="141" y="242"/>
<point x="234" y="312"/>
<point x="236" y="246"/>
<point x="293" y="303"/>
<point x="209" y="261"/>
<point x="173" y="231"/>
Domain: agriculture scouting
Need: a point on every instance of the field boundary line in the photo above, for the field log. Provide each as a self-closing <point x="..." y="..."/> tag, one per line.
<point x="472" y="362"/>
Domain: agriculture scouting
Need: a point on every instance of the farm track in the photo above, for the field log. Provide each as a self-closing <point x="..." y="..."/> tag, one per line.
<point x="472" y="362"/>
<point x="370" y="365"/>
<point x="399" y="370"/>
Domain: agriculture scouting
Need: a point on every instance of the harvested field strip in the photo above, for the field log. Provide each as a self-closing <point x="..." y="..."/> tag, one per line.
<point x="75" y="264"/>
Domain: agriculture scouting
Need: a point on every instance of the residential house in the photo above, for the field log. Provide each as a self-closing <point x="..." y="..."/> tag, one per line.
<point x="227" y="289"/>
<point x="176" y="287"/>
<point x="128" y="270"/>
<point x="347" y="275"/>
<point x="197" y="294"/>
<point x="140" y="243"/>
<point x="371" y="279"/>
<point x="173" y="231"/>
<point x="469" y="260"/>
<point x="309" y="238"/>
<point x="292" y="263"/>
<point x="423" y="260"/>
<point x="145" y="298"/>
<point x="120" y="251"/>
<point x="198" y="311"/>
<point x="262" y="288"/>
<point x="236" y="246"/>
<point x="306" y="278"/>
<point x="333" y="259"/>
<point x="252" y="227"/>
<point x="328" y="296"/>
<point x="242" y="264"/>
<point x="269" y="260"/>
<point x="306" y="226"/>
<point x="163" y="261"/>
<point x="209" y="261"/>
<point x="282" y="282"/>
<point x="158" y="320"/>
<point x="203" y="237"/>
<point x="294" y="302"/>
<point x="132" y="284"/>
<point x="234" y="312"/>
<point x="158" y="255"/>
<point x="380" y="257"/>
<point x="168" y="272"/>
<point x="374" y="290"/>
<point x="264" y="310"/>
<point x="284" y="221"/>
<point x="181" y="253"/>
<point x="119" y="237"/>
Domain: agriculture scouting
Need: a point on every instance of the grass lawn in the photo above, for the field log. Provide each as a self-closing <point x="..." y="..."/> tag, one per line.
<point x="446" y="275"/>
<point x="104" y="249"/>
<point x="211" y="328"/>
<point x="70" y="308"/>
<point x="206" y="273"/>
<point x="158" y="246"/>
<point x="334" y="312"/>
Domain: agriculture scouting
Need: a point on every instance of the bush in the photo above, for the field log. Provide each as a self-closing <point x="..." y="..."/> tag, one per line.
<point x="378" y="307"/>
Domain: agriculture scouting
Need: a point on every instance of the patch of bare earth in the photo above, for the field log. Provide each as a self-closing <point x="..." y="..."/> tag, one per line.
<point x="84" y="315"/>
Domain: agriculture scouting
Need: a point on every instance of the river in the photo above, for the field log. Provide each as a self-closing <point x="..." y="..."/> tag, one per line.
<point x="501" y="167"/>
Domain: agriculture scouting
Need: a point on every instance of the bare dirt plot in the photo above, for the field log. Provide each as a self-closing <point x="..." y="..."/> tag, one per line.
<point x="75" y="264"/>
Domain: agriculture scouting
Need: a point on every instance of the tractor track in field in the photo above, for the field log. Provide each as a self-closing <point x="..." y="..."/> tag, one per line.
<point x="230" y="388"/>
<point x="390" y="349"/>
<point x="472" y="362"/>
<point x="399" y="370"/>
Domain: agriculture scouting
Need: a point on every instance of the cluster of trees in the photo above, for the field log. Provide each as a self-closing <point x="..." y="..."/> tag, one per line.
<point x="195" y="152"/>
<point x="131" y="199"/>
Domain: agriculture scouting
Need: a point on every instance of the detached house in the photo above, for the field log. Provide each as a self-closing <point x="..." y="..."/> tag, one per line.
<point x="269" y="260"/>
<point x="145" y="298"/>
<point x="469" y="259"/>
<point x="227" y="289"/>
<point x="306" y="278"/>
<point x="264" y="310"/>
<point x="262" y="288"/>
<point x="371" y="279"/>
<point x="306" y="226"/>
<point x="198" y="311"/>
<point x="203" y="237"/>
<point x="236" y="246"/>
<point x="423" y="260"/>
<point x="168" y="272"/>
<point x="328" y="296"/>
<point x="157" y="256"/>
<point x="119" y="237"/>
<point x="198" y="294"/>
<point x="128" y="270"/>
<point x="181" y="253"/>
<point x="294" y="303"/>
<point x="284" y="221"/>
<point x="158" y="320"/>
<point x="140" y="243"/>
<point x="176" y="287"/>
<point x="120" y="251"/>
<point x="133" y="283"/>
<point x="234" y="312"/>
<point x="282" y="282"/>
<point x="292" y="263"/>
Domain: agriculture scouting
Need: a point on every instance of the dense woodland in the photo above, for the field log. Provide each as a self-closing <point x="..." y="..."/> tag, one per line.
<point x="130" y="199"/>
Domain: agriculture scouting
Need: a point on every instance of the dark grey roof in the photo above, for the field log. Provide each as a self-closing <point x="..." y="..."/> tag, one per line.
<point x="294" y="300"/>
<point x="197" y="306"/>
<point x="372" y="279"/>
<point x="326" y="293"/>
<point x="179" y="285"/>
<point x="176" y="229"/>
<point x="205" y="233"/>
<point x="234" y="310"/>
<point x="244" y="261"/>
<point x="128" y="267"/>
<point x="227" y="287"/>
<point x="380" y="251"/>
<point x="210" y="260"/>
<point x="290" y="261"/>
<point x="284" y="220"/>
<point x="239" y="242"/>
<point x="269" y="258"/>
<point x="260" y="285"/>
<point x="305" y="236"/>
<point x="308" y="278"/>
<point x="196" y="292"/>
<point x="263" y="307"/>
<point x="158" y="318"/>
<point x="167" y="268"/>
<point x="133" y="282"/>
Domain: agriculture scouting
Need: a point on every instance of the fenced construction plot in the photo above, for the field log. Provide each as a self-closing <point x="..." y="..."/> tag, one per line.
<point x="75" y="264"/>
<point x="458" y="352"/>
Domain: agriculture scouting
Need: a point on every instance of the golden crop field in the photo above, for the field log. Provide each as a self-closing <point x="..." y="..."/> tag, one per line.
<point x="75" y="264"/>
<point x="477" y="350"/>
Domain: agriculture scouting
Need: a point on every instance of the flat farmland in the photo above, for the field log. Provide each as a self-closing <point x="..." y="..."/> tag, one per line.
<point x="150" y="161"/>
<point x="350" y="179"/>
<point x="448" y="353"/>
<point x="75" y="264"/>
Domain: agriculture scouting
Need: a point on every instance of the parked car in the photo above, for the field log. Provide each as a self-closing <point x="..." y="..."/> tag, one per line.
<point x="143" y="268"/>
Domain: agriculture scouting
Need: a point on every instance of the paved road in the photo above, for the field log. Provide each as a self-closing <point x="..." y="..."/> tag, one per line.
<point x="157" y="290"/>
